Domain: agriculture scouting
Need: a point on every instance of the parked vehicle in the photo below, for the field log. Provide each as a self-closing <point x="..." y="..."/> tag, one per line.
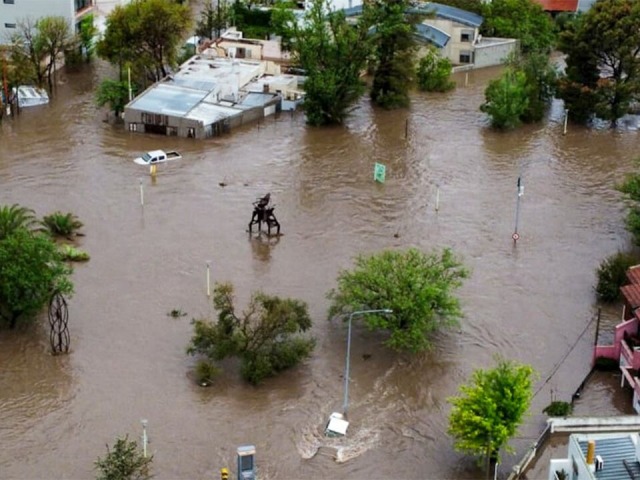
<point x="157" y="156"/>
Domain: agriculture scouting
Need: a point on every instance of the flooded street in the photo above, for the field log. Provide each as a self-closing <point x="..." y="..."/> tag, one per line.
<point x="127" y="362"/>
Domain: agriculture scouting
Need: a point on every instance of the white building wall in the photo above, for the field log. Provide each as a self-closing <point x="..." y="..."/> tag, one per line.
<point x="12" y="14"/>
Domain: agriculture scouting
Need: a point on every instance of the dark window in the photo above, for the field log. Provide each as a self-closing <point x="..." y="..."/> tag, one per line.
<point x="9" y="25"/>
<point x="82" y="4"/>
<point x="465" y="37"/>
<point x="10" y="2"/>
<point x="465" y="56"/>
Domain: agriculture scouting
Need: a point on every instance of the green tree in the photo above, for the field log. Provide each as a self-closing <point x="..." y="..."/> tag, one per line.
<point x="395" y="47"/>
<point x="521" y="19"/>
<point x="603" y="61"/>
<point x="507" y="99"/>
<point x="145" y="34"/>
<point x="489" y="409"/>
<point x="213" y="19"/>
<point x="266" y="336"/>
<point x="415" y="285"/>
<point x="14" y="217"/>
<point x="54" y="35"/>
<point x="434" y="73"/>
<point x="31" y="270"/>
<point x="253" y="22"/>
<point x="113" y="93"/>
<point x="86" y="37"/>
<point x="540" y="78"/>
<point x="282" y="20"/>
<point x="26" y="47"/>
<point x="124" y="462"/>
<point x="333" y="54"/>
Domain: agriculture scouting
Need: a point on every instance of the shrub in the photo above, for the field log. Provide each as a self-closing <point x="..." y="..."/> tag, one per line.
<point x="612" y="275"/>
<point x="558" y="409"/>
<point x="62" y="224"/>
<point x="434" y="73"/>
<point x="205" y="372"/>
<point x="124" y="462"/>
<point x="71" y="254"/>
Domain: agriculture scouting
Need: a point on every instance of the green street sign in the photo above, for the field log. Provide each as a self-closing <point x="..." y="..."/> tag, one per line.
<point x="379" y="172"/>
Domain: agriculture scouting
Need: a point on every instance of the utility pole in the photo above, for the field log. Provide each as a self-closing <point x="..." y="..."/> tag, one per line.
<point x="520" y="192"/>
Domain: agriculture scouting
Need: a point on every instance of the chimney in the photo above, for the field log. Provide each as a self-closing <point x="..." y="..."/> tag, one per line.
<point x="591" y="455"/>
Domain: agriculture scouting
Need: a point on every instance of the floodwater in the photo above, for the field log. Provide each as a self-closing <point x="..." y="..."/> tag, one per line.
<point x="532" y="302"/>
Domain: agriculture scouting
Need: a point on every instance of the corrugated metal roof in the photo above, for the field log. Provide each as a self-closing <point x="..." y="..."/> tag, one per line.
<point x="613" y="451"/>
<point x="432" y="34"/>
<point x="167" y="99"/>
<point x="633" y="274"/>
<point x="558" y="5"/>
<point x="631" y="294"/>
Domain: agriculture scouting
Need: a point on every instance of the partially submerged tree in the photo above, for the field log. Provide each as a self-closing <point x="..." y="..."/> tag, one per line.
<point x="124" y="462"/>
<point x="506" y="99"/>
<point x="60" y="224"/>
<point x="55" y="37"/>
<point x="489" y="410"/>
<point x="395" y="47"/>
<point x="31" y="271"/>
<point x="265" y="337"/>
<point x="333" y="55"/>
<point x="434" y="72"/>
<point x="114" y="93"/>
<point x="416" y="286"/>
<point x="603" y="61"/>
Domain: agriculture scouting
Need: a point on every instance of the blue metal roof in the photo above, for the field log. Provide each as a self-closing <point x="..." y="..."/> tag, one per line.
<point x="432" y="35"/>
<point x="613" y="451"/>
<point x="450" y="13"/>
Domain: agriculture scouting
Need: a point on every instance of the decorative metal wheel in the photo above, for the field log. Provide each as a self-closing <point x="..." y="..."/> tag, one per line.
<point x="58" y="319"/>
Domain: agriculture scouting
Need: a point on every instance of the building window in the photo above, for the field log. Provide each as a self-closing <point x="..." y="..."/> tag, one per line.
<point x="9" y="25"/>
<point x="10" y="2"/>
<point x="82" y="4"/>
<point x="465" y="56"/>
<point x="466" y="36"/>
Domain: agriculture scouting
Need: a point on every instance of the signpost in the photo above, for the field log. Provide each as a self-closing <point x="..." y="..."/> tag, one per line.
<point x="379" y="172"/>
<point x="520" y="192"/>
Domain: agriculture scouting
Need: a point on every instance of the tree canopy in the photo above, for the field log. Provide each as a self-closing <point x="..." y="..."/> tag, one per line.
<point x="489" y="409"/>
<point x="145" y="34"/>
<point x="522" y="19"/>
<point x="266" y="336"/>
<point x="124" y="462"/>
<point x="394" y="51"/>
<point x="506" y="99"/>
<point x="603" y="61"/>
<point x="333" y="55"/>
<point x="434" y="72"/>
<point x="416" y="286"/>
<point x="31" y="270"/>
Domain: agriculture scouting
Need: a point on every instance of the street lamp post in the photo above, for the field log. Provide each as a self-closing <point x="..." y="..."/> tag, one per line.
<point x="345" y="404"/>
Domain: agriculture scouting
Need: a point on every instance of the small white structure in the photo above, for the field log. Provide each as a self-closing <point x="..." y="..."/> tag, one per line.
<point x="336" y="426"/>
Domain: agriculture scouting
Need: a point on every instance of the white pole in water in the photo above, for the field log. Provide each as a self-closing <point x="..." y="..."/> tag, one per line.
<point x="145" y="440"/>
<point x="208" y="281"/>
<point x="566" y="118"/>
<point x="437" y="198"/>
<point x="141" y="194"/>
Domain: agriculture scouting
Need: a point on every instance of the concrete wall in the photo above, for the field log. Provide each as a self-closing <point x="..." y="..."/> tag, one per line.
<point x="494" y="53"/>
<point x="34" y="9"/>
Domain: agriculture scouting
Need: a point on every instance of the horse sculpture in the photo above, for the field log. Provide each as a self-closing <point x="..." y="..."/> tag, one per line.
<point x="262" y="212"/>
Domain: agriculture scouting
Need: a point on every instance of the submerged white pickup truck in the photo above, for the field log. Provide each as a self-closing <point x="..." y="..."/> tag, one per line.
<point x="157" y="156"/>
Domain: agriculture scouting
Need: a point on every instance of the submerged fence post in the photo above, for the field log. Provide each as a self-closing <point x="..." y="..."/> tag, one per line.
<point x="141" y="193"/>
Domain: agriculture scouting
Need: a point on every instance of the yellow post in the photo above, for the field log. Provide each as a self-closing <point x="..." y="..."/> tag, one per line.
<point x="591" y="452"/>
<point x="153" y="170"/>
<point x="224" y="474"/>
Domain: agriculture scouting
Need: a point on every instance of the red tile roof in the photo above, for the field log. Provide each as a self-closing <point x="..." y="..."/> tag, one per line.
<point x="631" y="295"/>
<point x="633" y="274"/>
<point x="559" y="5"/>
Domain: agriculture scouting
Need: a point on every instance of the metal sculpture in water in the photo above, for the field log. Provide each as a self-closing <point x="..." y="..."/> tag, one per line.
<point x="58" y="320"/>
<point x="262" y="212"/>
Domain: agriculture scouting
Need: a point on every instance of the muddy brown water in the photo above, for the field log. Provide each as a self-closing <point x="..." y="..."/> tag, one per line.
<point x="529" y="303"/>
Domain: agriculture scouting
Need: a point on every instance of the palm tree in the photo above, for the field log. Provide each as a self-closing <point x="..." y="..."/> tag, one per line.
<point x="61" y="224"/>
<point x="15" y="217"/>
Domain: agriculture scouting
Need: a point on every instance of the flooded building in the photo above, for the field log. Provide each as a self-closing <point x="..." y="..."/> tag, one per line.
<point x="12" y="12"/>
<point x="209" y="95"/>
<point x="625" y="350"/>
